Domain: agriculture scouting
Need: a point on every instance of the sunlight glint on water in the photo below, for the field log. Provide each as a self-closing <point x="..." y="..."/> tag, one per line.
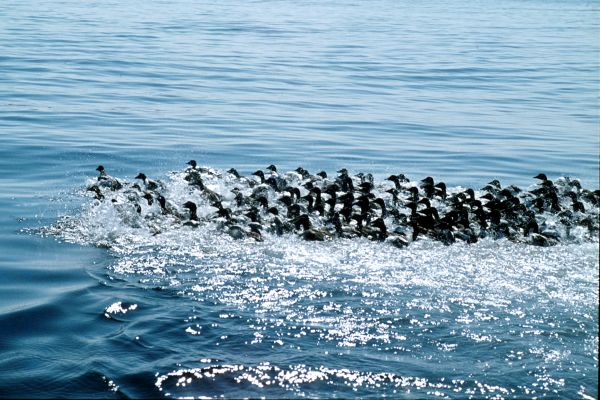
<point x="465" y="92"/>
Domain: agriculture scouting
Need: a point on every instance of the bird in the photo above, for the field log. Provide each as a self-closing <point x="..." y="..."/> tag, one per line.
<point x="148" y="183"/>
<point x="106" y="180"/>
<point x="96" y="190"/>
<point x="193" y="219"/>
<point x="397" y="239"/>
<point x="308" y="231"/>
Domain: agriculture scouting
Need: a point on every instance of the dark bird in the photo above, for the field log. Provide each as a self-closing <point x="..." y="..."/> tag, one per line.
<point x="150" y="184"/>
<point x="308" y="232"/>
<point x="398" y="180"/>
<point x="413" y="194"/>
<point x="440" y="190"/>
<point x="234" y="172"/>
<point x="106" y="180"/>
<point x="167" y="208"/>
<point x="96" y="190"/>
<point x="260" y="174"/>
<point x="192" y="208"/>
<point x="197" y="181"/>
<point x="192" y="163"/>
<point x="397" y="239"/>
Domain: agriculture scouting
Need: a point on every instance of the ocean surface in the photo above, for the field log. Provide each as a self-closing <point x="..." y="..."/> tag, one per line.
<point x="465" y="92"/>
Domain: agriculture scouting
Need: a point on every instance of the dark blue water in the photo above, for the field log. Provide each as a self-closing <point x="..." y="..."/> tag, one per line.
<point x="465" y="92"/>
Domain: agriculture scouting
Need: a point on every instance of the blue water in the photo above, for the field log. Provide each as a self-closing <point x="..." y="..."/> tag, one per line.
<point x="462" y="91"/>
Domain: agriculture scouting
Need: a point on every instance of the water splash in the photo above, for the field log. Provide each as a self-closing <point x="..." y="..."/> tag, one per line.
<point x="364" y="317"/>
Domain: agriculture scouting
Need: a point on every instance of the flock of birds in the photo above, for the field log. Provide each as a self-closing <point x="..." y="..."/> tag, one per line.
<point x="395" y="211"/>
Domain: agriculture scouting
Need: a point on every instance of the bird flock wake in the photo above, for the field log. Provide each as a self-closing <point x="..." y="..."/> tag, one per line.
<point x="319" y="207"/>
